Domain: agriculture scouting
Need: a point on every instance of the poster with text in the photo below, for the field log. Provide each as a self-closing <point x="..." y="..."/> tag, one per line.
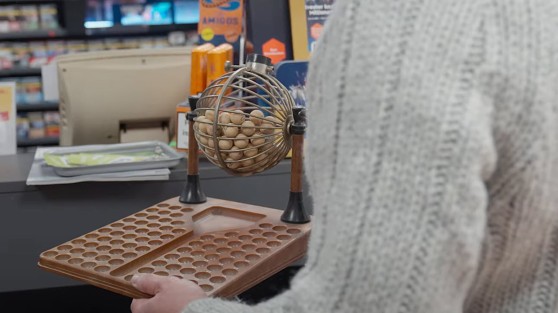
<point x="307" y="22"/>
<point x="220" y="21"/>
<point x="317" y="12"/>
<point x="8" y="143"/>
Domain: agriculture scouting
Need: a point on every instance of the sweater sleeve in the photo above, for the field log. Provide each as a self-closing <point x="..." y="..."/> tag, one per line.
<point x="399" y="148"/>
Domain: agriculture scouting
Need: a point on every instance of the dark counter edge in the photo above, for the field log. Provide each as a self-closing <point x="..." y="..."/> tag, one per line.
<point x="14" y="170"/>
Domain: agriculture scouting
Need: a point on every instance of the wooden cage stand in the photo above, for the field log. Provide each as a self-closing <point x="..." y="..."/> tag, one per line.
<point x="192" y="192"/>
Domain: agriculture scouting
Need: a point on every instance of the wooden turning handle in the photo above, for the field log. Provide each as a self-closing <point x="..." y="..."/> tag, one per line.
<point x="192" y="150"/>
<point x="296" y="163"/>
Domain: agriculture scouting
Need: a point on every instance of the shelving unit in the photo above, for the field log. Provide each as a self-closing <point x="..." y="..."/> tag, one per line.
<point x="34" y="35"/>
<point x="69" y="32"/>
<point x="45" y="141"/>
<point x="37" y="106"/>
<point x="18" y="72"/>
<point x="25" y="34"/>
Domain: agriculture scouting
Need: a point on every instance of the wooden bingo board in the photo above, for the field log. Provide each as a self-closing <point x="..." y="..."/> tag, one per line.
<point x="225" y="247"/>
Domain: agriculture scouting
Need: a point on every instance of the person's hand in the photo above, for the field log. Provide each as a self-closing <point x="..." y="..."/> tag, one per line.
<point x="170" y="294"/>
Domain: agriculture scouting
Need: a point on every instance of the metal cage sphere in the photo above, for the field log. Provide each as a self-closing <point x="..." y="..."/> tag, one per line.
<point x="243" y="122"/>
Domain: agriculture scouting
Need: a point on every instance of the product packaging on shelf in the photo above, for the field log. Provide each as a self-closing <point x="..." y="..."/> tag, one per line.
<point x="146" y="43"/>
<point x="22" y="126"/>
<point x="160" y="43"/>
<point x="49" y="16"/>
<point x="6" y="57"/>
<point x="39" y="55"/>
<point x="216" y="59"/>
<point x="32" y="89"/>
<point x="36" y="125"/>
<point x="95" y="45"/>
<point x="198" y="76"/>
<point x="29" y="17"/>
<point x="9" y="20"/>
<point x="21" y="54"/>
<point x="130" y="43"/>
<point x="52" y="124"/>
<point x="76" y="46"/>
<point x="55" y="48"/>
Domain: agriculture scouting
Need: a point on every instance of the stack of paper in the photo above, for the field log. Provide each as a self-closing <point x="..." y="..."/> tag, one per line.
<point x="41" y="174"/>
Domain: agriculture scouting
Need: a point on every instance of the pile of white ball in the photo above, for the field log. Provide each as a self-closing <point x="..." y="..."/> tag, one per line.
<point x="244" y="140"/>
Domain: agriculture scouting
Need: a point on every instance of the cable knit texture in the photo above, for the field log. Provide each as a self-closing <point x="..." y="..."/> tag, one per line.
<point x="431" y="160"/>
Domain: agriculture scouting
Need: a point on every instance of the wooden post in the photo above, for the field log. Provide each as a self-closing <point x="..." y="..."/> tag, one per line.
<point x="193" y="164"/>
<point x="296" y="163"/>
<point x="192" y="192"/>
<point x="295" y="212"/>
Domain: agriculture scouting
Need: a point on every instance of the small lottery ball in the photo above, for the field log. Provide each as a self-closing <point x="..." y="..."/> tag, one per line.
<point x="257" y="141"/>
<point x="210" y="114"/>
<point x="232" y="164"/>
<point x="247" y="162"/>
<point x="235" y="154"/>
<point x="200" y="124"/>
<point x="256" y="117"/>
<point x="266" y="147"/>
<point x="276" y="123"/>
<point x="203" y="140"/>
<point x="261" y="157"/>
<point x="209" y="129"/>
<point x="268" y="125"/>
<point x="251" y="151"/>
<point x="237" y="117"/>
<point x="224" y="118"/>
<point x="231" y="131"/>
<point x="225" y="144"/>
<point x="241" y="141"/>
<point x="273" y="120"/>
<point x="210" y="152"/>
<point x="248" y="128"/>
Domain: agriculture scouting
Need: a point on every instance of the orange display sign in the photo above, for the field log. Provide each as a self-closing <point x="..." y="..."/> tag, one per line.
<point x="275" y="50"/>
<point x="220" y="20"/>
<point x="316" y="30"/>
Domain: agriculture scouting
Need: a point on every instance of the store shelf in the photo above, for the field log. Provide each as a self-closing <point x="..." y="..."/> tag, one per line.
<point x="137" y="30"/>
<point x="33" y="34"/>
<point x="46" y="141"/>
<point x="14" y="72"/>
<point x="38" y="106"/>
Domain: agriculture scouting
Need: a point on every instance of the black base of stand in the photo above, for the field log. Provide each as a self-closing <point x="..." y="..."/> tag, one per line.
<point x="295" y="213"/>
<point x="192" y="192"/>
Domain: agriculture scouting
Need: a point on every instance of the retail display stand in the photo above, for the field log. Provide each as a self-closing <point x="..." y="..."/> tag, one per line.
<point x="225" y="247"/>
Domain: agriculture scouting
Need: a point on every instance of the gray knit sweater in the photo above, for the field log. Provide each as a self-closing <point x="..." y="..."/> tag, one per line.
<point x="432" y="161"/>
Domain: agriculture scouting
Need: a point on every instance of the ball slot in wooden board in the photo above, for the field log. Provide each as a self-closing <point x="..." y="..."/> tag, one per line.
<point x="225" y="247"/>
